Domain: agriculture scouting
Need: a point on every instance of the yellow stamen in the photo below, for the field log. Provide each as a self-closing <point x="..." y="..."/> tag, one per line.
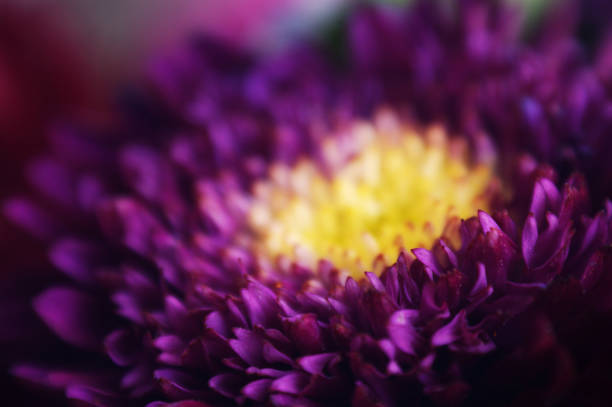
<point x="398" y="191"/>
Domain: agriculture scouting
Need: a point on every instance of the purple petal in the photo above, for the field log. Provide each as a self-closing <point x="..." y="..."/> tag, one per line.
<point x="122" y="347"/>
<point x="227" y="384"/>
<point x="402" y="331"/>
<point x="273" y="355"/>
<point x="257" y="390"/>
<point x="185" y="403"/>
<point x="129" y="222"/>
<point x="486" y="222"/>
<point x="304" y="331"/>
<point x="375" y="281"/>
<point x="72" y="315"/>
<point x="58" y="379"/>
<point x="529" y="239"/>
<point x="248" y="346"/>
<point x="217" y="323"/>
<point x="177" y="384"/>
<point x="92" y="396"/>
<point x="315" y="364"/>
<point x="427" y="258"/>
<point x="481" y="280"/>
<point x="30" y="217"/>
<point x="261" y="304"/>
<point x="545" y="196"/>
<point x="451" y="255"/>
<point x="75" y="258"/>
<point x="293" y="383"/>
<point x="449" y="332"/>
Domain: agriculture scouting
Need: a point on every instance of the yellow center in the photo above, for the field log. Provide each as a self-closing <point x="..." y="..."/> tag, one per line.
<point x="388" y="191"/>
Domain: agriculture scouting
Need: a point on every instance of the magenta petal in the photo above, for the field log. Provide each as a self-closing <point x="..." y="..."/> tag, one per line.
<point x="451" y="255"/>
<point x="261" y="304"/>
<point x="545" y="196"/>
<point x="427" y="258"/>
<point x="129" y="222"/>
<point x="121" y="347"/>
<point x="257" y="390"/>
<point x="273" y="355"/>
<point x="529" y="239"/>
<point x="169" y="343"/>
<point x="227" y="384"/>
<point x="185" y="403"/>
<point x="402" y="331"/>
<point x="481" y="280"/>
<point x="177" y="384"/>
<point x="248" y="346"/>
<point x="285" y="400"/>
<point x="92" y="396"/>
<point x="57" y="379"/>
<point x="486" y="222"/>
<point x="128" y="307"/>
<point x="75" y="258"/>
<point x="71" y="314"/>
<point x="449" y="332"/>
<point x="375" y="281"/>
<point x="30" y="217"/>
<point x="217" y="323"/>
<point x="315" y="364"/>
<point x="293" y="383"/>
<point x="138" y="377"/>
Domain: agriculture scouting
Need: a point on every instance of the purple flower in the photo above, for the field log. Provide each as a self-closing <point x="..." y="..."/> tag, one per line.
<point x="172" y="294"/>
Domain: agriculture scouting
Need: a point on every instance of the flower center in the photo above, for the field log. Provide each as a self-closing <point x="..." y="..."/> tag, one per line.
<point x="373" y="194"/>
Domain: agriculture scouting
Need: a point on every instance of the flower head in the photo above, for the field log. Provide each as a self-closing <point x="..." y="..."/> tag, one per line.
<point x="391" y="190"/>
<point x="208" y="243"/>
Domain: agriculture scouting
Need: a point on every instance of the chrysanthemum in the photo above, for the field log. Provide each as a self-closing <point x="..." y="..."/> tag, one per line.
<point x="277" y="233"/>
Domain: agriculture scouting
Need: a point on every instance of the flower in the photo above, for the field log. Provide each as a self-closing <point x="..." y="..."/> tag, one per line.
<point x="165" y="227"/>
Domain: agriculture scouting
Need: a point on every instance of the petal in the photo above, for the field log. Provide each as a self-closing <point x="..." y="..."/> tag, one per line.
<point x="481" y="280"/>
<point x="72" y="315"/>
<point x="402" y="331"/>
<point x="293" y="383"/>
<point x="75" y="258"/>
<point x="248" y="346"/>
<point x="450" y="332"/>
<point x="486" y="222"/>
<point x="428" y="259"/>
<point x="30" y="217"/>
<point x="315" y="364"/>
<point x="375" y="281"/>
<point x="304" y="331"/>
<point x="122" y="347"/>
<point x="261" y="304"/>
<point x="92" y="396"/>
<point x="529" y="239"/>
<point x="257" y="390"/>
<point x="228" y="384"/>
<point x="57" y="379"/>
<point x="273" y="355"/>
<point x="185" y="403"/>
